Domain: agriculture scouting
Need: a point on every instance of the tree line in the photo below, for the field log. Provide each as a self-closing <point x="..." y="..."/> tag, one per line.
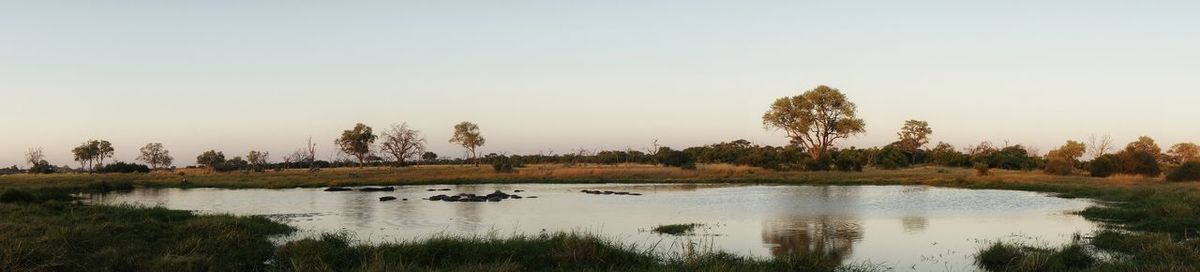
<point x="813" y="122"/>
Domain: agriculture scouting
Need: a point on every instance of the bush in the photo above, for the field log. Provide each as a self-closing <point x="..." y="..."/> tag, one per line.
<point x="123" y="167"/>
<point x="1059" y="166"/>
<point x="820" y="164"/>
<point x="848" y="165"/>
<point x="43" y="167"/>
<point x="891" y="157"/>
<point x="674" y="158"/>
<point x="982" y="168"/>
<point x="1139" y="163"/>
<point x="505" y="164"/>
<point x="1103" y="166"/>
<point x="1189" y="171"/>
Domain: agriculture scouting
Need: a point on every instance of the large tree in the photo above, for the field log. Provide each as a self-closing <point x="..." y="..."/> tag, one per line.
<point x="403" y="143"/>
<point x="357" y="142"/>
<point x="913" y="136"/>
<point x="466" y="134"/>
<point x="210" y="158"/>
<point x="815" y="119"/>
<point x="155" y="155"/>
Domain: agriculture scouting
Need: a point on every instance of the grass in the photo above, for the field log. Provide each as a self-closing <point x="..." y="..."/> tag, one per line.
<point x="65" y="236"/>
<point x="675" y="229"/>
<point x="1151" y="224"/>
<point x="547" y="252"/>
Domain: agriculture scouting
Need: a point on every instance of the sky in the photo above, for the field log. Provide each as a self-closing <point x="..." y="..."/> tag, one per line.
<point x="553" y="76"/>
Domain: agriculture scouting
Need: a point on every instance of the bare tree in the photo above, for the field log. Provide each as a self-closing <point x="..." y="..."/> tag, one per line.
<point x="1099" y="146"/>
<point x="312" y="155"/>
<point x="35" y="156"/>
<point x="403" y="143"/>
<point x="258" y="159"/>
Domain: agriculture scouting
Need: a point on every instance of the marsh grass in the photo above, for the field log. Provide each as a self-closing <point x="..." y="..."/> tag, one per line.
<point x="64" y="236"/>
<point x="546" y="252"/>
<point x="676" y="229"/>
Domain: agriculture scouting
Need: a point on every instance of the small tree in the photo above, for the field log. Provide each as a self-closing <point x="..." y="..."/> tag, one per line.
<point x="35" y="156"/>
<point x="1184" y="152"/>
<point x="1062" y="161"/>
<point x="210" y="159"/>
<point x="258" y="159"/>
<point x="357" y="142"/>
<point x="815" y="119"/>
<point x="403" y="143"/>
<point x="429" y="157"/>
<point x="466" y="134"/>
<point x="155" y="155"/>
<point x="913" y="136"/>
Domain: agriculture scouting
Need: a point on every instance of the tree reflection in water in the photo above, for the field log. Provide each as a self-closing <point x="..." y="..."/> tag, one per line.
<point x="827" y="236"/>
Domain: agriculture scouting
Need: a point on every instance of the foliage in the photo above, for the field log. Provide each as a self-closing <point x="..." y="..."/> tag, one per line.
<point x="850" y="160"/>
<point x="891" y="157"/>
<point x="1103" y="166"/>
<point x="123" y="167"/>
<point x="1058" y="166"/>
<point x="258" y="160"/>
<point x="57" y="236"/>
<point x="1138" y="162"/>
<point x="505" y="164"/>
<point x="675" y="158"/>
<point x="945" y="155"/>
<point x="982" y="169"/>
<point x="210" y="158"/>
<point x="467" y="135"/>
<point x="1188" y="171"/>
<point x="429" y="156"/>
<point x="913" y="135"/>
<point x="155" y="155"/>
<point x="357" y="142"/>
<point x="1184" y="152"/>
<point x="815" y="119"/>
<point x="93" y="152"/>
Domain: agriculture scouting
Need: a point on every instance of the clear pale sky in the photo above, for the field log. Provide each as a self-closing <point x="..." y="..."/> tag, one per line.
<point x="559" y="75"/>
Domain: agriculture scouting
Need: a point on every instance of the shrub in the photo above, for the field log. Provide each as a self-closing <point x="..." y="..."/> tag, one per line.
<point x="1059" y="166"/>
<point x="506" y="164"/>
<point x="982" y="168"/>
<point x="1139" y="163"/>
<point x="820" y="164"/>
<point x="675" y="158"/>
<point x="123" y="167"/>
<point x="848" y="164"/>
<point x="1188" y="171"/>
<point x="1103" y="166"/>
<point x="891" y="157"/>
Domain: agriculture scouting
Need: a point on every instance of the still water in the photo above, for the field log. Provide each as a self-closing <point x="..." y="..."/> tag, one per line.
<point x="903" y="227"/>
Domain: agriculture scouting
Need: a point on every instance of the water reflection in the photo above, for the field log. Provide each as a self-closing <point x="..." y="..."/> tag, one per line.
<point x="914" y="224"/>
<point x="827" y="236"/>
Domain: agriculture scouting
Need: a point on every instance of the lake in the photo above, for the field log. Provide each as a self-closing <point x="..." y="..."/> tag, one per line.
<point x="904" y="227"/>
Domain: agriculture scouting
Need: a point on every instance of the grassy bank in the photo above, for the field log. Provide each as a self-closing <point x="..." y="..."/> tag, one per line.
<point x="65" y="236"/>
<point x="1152" y="224"/>
<point x="548" y="252"/>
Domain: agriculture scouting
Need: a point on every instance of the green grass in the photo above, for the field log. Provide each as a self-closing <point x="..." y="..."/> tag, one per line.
<point x="675" y="229"/>
<point x="64" y="236"/>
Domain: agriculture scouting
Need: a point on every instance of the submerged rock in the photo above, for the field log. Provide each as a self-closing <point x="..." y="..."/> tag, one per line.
<point x="387" y="198"/>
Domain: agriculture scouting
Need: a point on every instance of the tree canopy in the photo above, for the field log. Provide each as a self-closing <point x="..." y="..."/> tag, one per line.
<point x="815" y="119"/>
